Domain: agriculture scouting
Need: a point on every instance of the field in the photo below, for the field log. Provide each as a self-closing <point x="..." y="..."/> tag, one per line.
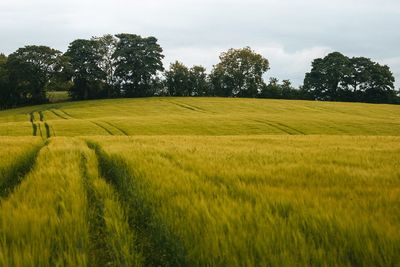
<point x="200" y="182"/>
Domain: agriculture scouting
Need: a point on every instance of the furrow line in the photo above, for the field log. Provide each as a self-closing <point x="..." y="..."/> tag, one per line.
<point x="116" y="127"/>
<point x="102" y="127"/>
<point x="159" y="248"/>
<point x="58" y="115"/>
<point x="19" y="170"/>
<point x="113" y="242"/>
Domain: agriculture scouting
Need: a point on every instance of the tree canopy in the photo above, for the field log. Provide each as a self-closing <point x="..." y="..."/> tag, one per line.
<point x="129" y="65"/>
<point x="30" y="70"/>
<point x="239" y="73"/>
<point x="340" y="78"/>
<point x="182" y="81"/>
<point x="137" y="60"/>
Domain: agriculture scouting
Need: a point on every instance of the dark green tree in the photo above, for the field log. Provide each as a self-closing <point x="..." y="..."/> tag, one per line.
<point x="138" y="60"/>
<point x="107" y="45"/>
<point x="177" y="80"/>
<point x="277" y="90"/>
<point x="239" y="73"/>
<point x="328" y="77"/>
<point x="31" y="69"/>
<point x="6" y="97"/>
<point x="199" y="81"/>
<point x="371" y="82"/>
<point x="272" y="89"/>
<point x="339" y="78"/>
<point x="88" y="77"/>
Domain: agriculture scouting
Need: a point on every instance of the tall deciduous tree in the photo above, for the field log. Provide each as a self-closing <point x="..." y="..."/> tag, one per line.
<point x="6" y="97"/>
<point x="85" y="60"/>
<point x="137" y="62"/>
<point x="239" y="73"/>
<point x="30" y="69"/>
<point x="177" y="80"/>
<point x="339" y="78"/>
<point x="182" y="81"/>
<point x="199" y="81"/>
<point x="327" y="78"/>
<point x="107" y="45"/>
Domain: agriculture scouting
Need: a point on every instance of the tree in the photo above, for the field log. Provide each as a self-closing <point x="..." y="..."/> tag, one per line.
<point x="239" y="73"/>
<point x="198" y="81"/>
<point x="372" y="82"/>
<point x="271" y="90"/>
<point x="85" y="61"/>
<point x="31" y="69"/>
<point x="177" y="80"/>
<point x="107" y="63"/>
<point x="5" y="92"/>
<point x="137" y="62"/>
<point x="339" y="78"/>
<point x="275" y="90"/>
<point x="327" y="76"/>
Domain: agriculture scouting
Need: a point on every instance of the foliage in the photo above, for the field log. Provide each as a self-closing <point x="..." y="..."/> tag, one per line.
<point x="182" y="81"/>
<point x="239" y="73"/>
<point x="6" y="96"/>
<point x="339" y="78"/>
<point x="128" y="65"/>
<point x="85" y="58"/>
<point x="30" y="70"/>
<point x="285" y="90"/>
<point x="137" y="60"/>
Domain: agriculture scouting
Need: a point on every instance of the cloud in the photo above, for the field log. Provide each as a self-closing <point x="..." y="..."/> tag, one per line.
<point x="289" y="32"/>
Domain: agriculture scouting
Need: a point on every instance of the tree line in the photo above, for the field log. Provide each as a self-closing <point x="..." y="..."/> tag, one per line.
<point x="128" y="65"/>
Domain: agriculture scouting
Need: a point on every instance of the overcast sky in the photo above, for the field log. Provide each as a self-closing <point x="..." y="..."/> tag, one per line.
<point x="290" y="33"/>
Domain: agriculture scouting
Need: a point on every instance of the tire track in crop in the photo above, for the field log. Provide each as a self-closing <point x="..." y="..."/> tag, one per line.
<point x="67" y="114"/>
<point x="118" y="128"/>
<point x="157" y="245"/>
<point x="189" y="107"/>
<point x="102" y="127"/>
<point x="291" y="128"/>
<point x="37" y="126"/>
<point x="231" y="188"/>
<point x="282" y="127"/>
<point x="34" y="126"/>
<point x="112" y="239"/>
<point x="41" y="116"/>
<point x="58" y="115"/>
<point x="48" y="132"/>
<point x="54" y="132"/>
<point x="20" y="170"/>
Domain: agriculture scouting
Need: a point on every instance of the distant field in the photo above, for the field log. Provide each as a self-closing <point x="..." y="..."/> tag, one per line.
<point x="58" y="96"/>
<point x="201" y="116"/>
<point x="200" y="182"/>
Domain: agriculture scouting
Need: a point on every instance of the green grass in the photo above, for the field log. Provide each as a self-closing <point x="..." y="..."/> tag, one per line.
<point x="58" y="96"/>
<point x="17" y="156"/>
<point x="49" y="221"/>
<point x="202" y="116"/>
<point x="261" y="201"/>
<point x="200" y="182"/>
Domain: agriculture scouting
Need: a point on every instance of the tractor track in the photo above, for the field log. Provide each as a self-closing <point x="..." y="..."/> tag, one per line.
<point x="21" y="168"/>
<point x="281" y="127"/>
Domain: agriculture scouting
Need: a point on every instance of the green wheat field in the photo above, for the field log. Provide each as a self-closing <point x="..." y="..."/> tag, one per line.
<point x="200" y="182"/>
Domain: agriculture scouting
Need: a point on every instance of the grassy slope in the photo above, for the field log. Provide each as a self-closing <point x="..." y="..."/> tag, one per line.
<point x="179" y="195"/>
<point x="64" y="214"/>
<point x="201" y="116"/>
<point x="261" y="201"/>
